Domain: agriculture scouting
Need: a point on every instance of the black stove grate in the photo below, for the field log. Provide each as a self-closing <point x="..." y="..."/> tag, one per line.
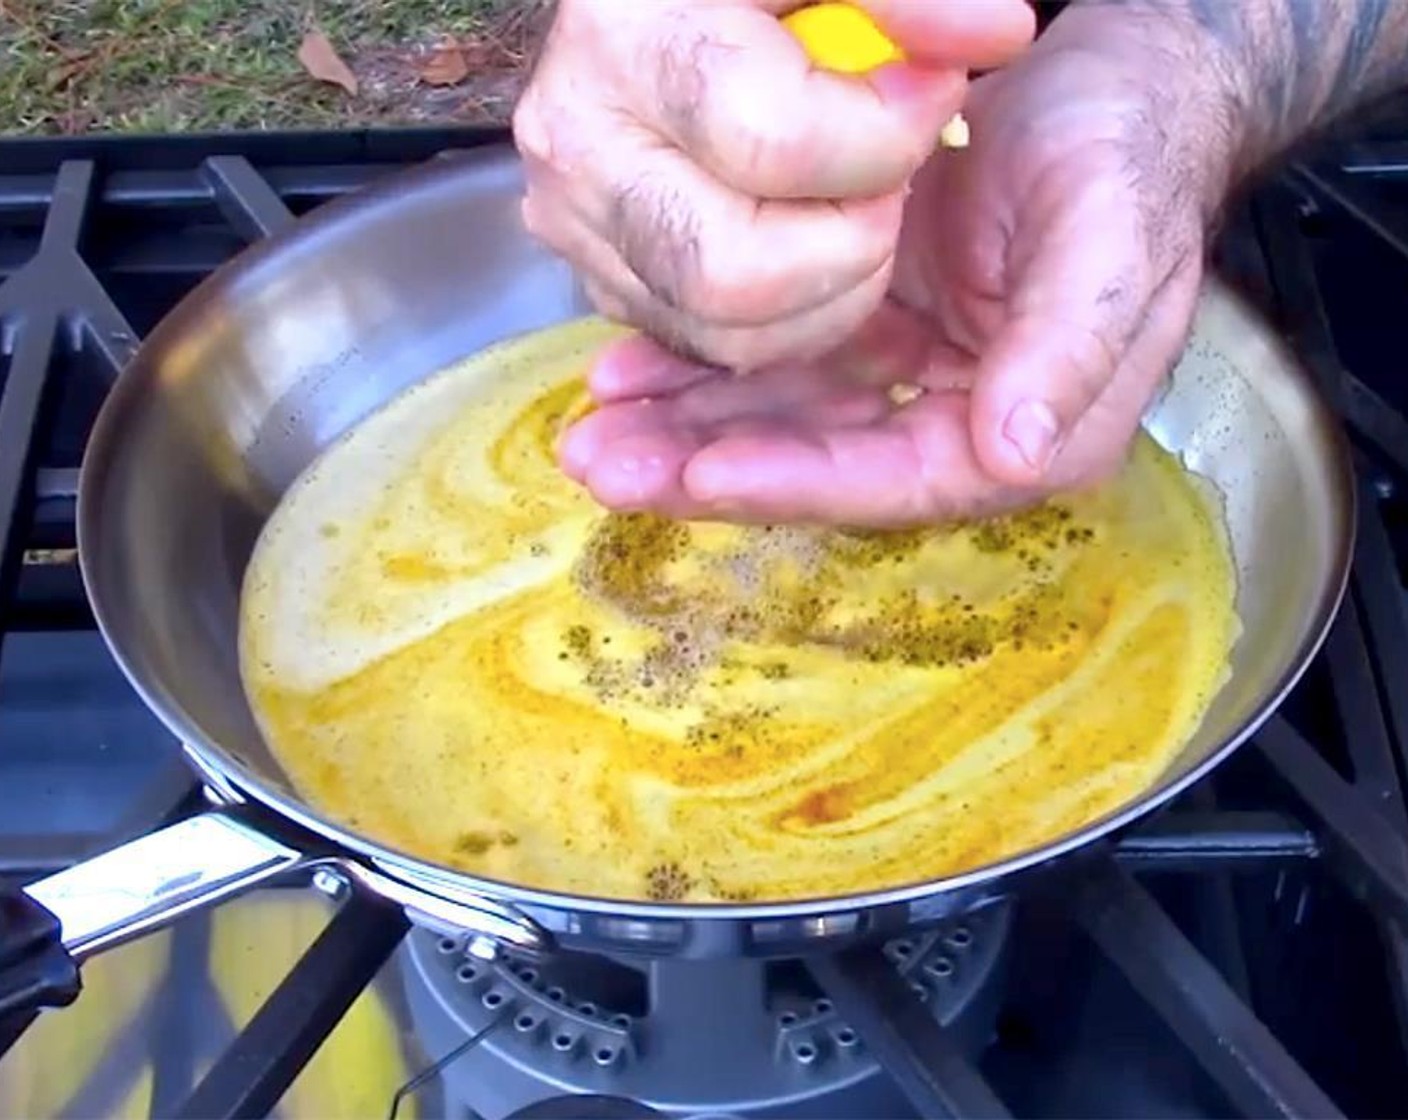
<point x="99" y="238"/>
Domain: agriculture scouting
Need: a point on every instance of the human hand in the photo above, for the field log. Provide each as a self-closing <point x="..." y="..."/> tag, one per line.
<point x="716" y="190"/>
<point x="1044" y="284"/>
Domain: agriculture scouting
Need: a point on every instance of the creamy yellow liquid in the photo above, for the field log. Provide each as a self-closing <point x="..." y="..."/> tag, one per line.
<point x="454" y="650"/>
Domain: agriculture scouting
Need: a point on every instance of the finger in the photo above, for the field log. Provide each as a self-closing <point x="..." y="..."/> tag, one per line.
<point x="633" y="455"/>
<point x="642" y="472"/>
<point x="731" y="87"/>
<point x="728" y="259"/>
<point x="893" y="347"/>
<point x="583" y="442"/>
<point x="799" y="338"/>
<point x="644" y="370"/>
<point x="609" y="284"/>
<point x="893" y="473"/>
<point x="639" y="366"/>
<point x="1074" y="309"/>
<point x="652" y="225"/>
<point x="800" y="394"/>
<point x="972" y="34"/>
<point x="803" y="392"/>
<point x="617" y="292"/>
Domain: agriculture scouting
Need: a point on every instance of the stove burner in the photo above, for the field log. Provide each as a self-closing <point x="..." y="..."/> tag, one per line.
<point x="588" y="1107"/>
<point x="751" y="1037"/>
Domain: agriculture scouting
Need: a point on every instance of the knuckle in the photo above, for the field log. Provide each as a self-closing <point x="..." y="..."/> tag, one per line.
<point x="656" y="231"/>
<point x="537" y="209"/>
<point x="541" y="217"/>
<point x="680" y="57"/>
<point x="1091" y="355"/>
<point x="530" y="130"/>
<point x="706" y="100"/>
<point x="736" y="271"/>
<point x="553" y="133"/>
<point x="1103" y="353"/>
<point x="727" y="285"/>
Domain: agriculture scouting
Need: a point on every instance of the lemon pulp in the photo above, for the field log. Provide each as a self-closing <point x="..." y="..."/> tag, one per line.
<point x="841" y="37"/>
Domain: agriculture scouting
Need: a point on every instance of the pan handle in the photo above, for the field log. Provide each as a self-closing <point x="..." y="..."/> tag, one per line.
<point x="50" y="926"/>
<point x="47" y="928"/>
<point x="157" y="878"/>
<point x="205" y="859"/>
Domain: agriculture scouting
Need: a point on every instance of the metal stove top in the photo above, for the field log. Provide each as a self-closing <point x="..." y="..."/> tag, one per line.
<point x="1243" y="953"/>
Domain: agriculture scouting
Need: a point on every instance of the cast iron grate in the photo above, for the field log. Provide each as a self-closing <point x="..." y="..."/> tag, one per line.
<point x="76" y="295"/>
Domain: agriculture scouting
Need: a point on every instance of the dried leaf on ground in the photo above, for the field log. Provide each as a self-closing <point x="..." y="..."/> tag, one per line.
<point x="64" y="73"/>
<point x="320" y="58"/>
<point x="445" y="65"/>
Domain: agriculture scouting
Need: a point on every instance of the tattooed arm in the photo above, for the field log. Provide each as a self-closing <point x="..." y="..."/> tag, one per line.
<point x="1260" y="75"/>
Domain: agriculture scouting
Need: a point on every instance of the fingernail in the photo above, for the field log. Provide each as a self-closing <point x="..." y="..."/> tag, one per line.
<point x="1032" y="428"/>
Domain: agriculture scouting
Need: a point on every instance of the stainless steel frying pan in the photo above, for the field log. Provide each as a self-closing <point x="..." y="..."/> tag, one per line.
<point x="303" y="336"/>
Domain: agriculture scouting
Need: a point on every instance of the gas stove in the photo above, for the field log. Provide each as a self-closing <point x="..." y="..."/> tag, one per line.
<point x="1243" y="952"/>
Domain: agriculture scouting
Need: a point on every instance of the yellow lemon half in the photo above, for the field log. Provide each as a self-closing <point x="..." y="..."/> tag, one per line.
<point x="843" y="38"/>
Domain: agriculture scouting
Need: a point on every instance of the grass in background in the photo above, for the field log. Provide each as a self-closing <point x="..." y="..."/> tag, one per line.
<point x="69" y="66"/>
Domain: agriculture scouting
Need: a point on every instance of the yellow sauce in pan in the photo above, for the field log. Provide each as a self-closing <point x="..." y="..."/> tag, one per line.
<point x="453" y="650"/>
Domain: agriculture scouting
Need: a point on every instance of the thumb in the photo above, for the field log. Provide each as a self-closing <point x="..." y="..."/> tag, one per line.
<point x="1034" y="384"/>
<point x="1074" y="304"/>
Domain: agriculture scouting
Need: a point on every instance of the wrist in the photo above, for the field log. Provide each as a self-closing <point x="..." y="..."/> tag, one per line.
<point x="1192" y="95"/>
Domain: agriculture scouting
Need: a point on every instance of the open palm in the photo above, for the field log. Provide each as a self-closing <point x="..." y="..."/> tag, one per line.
<point x="1043" y="284"/>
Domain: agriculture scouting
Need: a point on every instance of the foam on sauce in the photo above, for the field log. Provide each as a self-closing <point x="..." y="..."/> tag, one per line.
<point x="453" y="649"/>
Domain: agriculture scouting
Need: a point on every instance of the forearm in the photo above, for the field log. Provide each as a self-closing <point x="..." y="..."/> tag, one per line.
<point x="1282" y="68"/>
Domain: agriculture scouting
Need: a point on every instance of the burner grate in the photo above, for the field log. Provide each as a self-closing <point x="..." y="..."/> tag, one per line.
<point x="75" y="292"/>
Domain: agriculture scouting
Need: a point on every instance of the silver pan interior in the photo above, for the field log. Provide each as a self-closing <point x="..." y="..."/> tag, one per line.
<point x="278" y="354"/>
